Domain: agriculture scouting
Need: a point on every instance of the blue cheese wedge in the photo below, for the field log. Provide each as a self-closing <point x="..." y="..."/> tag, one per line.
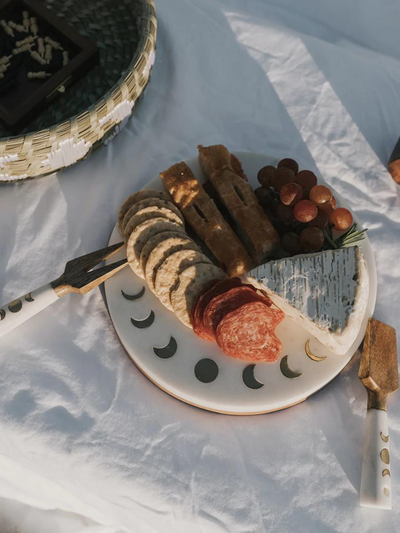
<point x="325" y="292"/>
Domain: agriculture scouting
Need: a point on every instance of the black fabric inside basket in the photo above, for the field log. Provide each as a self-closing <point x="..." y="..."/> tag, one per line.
<point x="113" y="27"/>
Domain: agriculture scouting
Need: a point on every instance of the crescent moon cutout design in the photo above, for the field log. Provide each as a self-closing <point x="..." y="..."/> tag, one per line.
<point x="167" y="351"/>
<point x="144" y="322"/>
<point x="385" y="438"/>
<point x="286" y="370"/>
<point x="312" y="356"/>
<point x="28" y="297"/>
<point x="133" y="297"/>
<point x="15" y="306"/>
<point x="2" y="314"/>
<point x="249" y="378"/>
<point x="206" y="370"/>
<point x="386" y="472"/>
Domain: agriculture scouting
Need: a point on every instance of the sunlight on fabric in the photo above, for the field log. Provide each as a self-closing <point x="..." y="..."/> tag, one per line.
<point x="338" y="147"/>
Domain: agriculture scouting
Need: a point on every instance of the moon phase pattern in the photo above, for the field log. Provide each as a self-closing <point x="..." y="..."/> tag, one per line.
<point x="385" y="438"/>
<point x="249" y="378"/>
<point x="386" y="491"/>
<point x="167" y="351"/>
<point x="206" y="370"/>
<point x="385" y="456"/>
<point x="144" y="322"/>
<point x="133" y="297"/>
<point x="2" y="314"/>
<point x="312" y="356"/>
<point x="286" y="370"/>
<point x="386" y="472"/>
<point x="15" y="306"/>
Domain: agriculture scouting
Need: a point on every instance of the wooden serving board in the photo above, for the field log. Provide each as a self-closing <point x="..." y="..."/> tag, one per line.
<point x="196" y="371"/>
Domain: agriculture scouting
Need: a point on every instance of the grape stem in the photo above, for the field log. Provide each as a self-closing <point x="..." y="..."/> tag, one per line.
<point x="330" y="241"/>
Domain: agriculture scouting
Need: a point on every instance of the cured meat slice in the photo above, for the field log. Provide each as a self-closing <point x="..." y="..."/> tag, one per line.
<point x="211" y="290"/>
<point x="248" y="333"/>
<point x="221" y="305"/>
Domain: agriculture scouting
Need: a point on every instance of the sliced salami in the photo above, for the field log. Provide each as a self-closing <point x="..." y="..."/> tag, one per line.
<point x="248" y="333"/>
<point x="211" y="290"/>
<point x="221" y="305"/>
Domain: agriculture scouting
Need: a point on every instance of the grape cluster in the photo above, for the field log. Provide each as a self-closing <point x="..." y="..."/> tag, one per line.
<point x="299" y="208"/>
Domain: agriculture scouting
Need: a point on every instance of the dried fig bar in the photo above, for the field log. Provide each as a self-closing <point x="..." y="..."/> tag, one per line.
<point x="256" y="230"/>
<point x="205" y="219"/>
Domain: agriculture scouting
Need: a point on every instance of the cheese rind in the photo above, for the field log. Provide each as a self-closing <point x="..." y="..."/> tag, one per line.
<point x="325" y="292"/>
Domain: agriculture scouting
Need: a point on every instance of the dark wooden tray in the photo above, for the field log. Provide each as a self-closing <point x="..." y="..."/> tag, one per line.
<point x="29" y="98"/>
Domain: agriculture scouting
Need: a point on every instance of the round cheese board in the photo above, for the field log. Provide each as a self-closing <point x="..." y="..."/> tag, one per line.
<point x="196" y="371"/>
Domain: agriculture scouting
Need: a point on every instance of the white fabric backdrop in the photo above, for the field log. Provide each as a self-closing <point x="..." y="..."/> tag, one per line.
<point x="83" y="434"/>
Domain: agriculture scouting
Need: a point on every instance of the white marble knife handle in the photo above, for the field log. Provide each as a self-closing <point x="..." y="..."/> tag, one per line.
<point x="376" y="487"/>
<point x="22" y="309"/>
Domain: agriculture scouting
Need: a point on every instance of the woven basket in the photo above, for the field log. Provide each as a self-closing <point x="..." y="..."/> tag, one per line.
<point x="125" y="55"/>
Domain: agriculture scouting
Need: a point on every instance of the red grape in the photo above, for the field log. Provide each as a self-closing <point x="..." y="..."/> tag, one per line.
<point x="281" y="177"/>
<point x="312" y="239"/>
<point x="306" y="179"/>
<point x="330" y="207"/>
<point x="321" y="220"/>
<point x="291" y="164"/>
<point x="341" y="219"/>
<point x="305" y="211"/>
<point x="320" y="195"/>
<point x="291" y="242"/>
<point x="264" y="196"/>
<point x="285" y="214"/>
<point x="265" y="175"/>
<point x="291" y="194"/>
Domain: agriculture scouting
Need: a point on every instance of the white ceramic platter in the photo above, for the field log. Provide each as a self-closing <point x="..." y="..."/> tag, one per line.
<point x="188" y="361"/>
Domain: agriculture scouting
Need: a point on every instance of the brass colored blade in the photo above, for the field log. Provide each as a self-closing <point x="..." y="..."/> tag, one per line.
<point x="378" y="365"/>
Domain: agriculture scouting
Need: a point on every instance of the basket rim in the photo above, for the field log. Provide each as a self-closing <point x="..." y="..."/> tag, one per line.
<point x="121" y="80"/>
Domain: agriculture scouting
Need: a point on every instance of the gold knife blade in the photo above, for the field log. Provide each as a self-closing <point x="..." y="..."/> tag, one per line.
<point x="378" y="370"/>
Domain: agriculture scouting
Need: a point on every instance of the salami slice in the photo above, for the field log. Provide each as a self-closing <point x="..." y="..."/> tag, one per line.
<point x="224" y="303"/>
<point x="213" y="289"/>
<point x="248" y="333"/>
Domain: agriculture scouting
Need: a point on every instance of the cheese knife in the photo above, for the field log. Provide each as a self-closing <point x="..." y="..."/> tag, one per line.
<point x="78" y="276"/>
<point x="380" y="376"/>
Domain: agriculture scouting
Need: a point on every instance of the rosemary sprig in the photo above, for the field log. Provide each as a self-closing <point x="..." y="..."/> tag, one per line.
<point x="350" y="238"/>
<point x="328" y="238"/>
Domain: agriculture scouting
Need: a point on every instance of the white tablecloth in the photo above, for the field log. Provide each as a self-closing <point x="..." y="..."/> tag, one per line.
<point x="83" y="433"/>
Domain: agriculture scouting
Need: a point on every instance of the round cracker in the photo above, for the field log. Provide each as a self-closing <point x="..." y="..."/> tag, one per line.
<point x="146" y="214"/>
<point x="191" y="283"/>
<point x="158" y="248"/>
<point x="148" y="202"/>
<point x="142" y="233"/>
<point x="167" y="275"/>
<point x="161" y="253"/>
<point x="137" y="197"/>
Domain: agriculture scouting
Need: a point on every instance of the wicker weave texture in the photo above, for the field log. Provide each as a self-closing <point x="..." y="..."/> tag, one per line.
<point x="53" y="148"/>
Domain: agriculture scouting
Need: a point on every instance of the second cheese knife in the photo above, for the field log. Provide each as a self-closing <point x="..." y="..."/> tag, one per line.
<point x="380" y="376"/>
